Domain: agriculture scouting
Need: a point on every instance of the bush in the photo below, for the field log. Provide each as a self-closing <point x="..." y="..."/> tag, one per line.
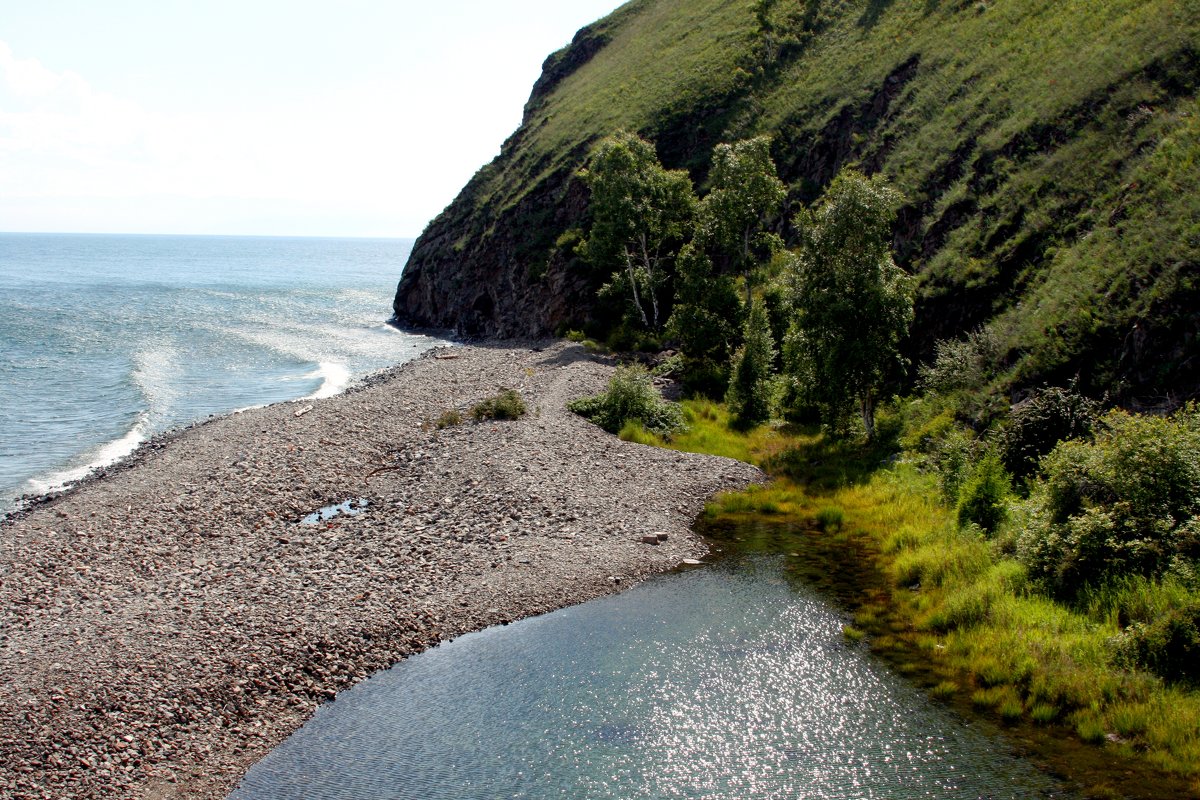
<point x="1126" y="503"/>
<point x="952" y="455"/>
<point x="1040" y="422"/>
<point x="630" y="396"/>
<point x="449" y="419"/>
<point x="963" y="364"/>
<point x="505" y="405"/>
<point x="983" y="497"/>
<point x="1168" y="645"/>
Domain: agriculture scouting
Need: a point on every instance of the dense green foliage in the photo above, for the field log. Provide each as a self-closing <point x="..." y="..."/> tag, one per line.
<point x="630" y="396"/>
<point x="1126" y="503"/>
<point x="704" y="321"/>
<point x="853" y="304"/>
<point x="983" y="497"/>
<point x="744" y="194"/>
<point x="1042" y="420"/>
<point x="750" y="387"/>
<point x="641" y="214"/>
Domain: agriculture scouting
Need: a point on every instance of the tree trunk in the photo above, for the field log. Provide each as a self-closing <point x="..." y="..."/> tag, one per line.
<point x="651" y="265"/>
<point x="747" y="269"/>
<point x="637" y="300"/>
<point x="868" y="415"/>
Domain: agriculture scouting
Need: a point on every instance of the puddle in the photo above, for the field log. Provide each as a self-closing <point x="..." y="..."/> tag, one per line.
<point x="351" y="507"/>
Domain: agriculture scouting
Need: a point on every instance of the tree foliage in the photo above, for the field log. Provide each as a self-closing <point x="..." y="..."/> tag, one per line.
<point x="745" y="192"/>
<point x="852" y="303"/>
<point x="749" y="393"/>
<point x="705" y="321"/>
<point x="641" y="214"/>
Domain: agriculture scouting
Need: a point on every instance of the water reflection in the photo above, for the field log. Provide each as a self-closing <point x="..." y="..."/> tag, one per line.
<point x="725" y="682"/>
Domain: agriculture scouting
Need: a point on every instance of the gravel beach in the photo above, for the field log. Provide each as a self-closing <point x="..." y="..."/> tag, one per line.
<point x="165" y="624"/>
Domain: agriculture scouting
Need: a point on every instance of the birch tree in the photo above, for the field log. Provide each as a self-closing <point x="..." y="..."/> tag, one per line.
<point x="852" y="303"/>
<point x="641" y="214"/>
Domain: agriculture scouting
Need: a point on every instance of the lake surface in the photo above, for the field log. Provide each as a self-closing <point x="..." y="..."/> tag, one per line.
<point x="727" y="681"/>
<point x="107" y="340"/>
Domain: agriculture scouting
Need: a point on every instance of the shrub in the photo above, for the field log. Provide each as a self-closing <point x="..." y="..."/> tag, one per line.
<point x="449" y="418"/>
<point x="1126" y="503"/>
<point x="963" y="364"/>
<point x="983" y="497"/>
<point x="1040" y="422"/>
<point x="505" y="405"/>
<point x="1169" y="645"/>
<point x="630" y="396"/>
<point x="952" y="455"/>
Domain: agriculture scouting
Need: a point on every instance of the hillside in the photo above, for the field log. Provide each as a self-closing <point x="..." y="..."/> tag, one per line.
<point x="1049" y="153"/>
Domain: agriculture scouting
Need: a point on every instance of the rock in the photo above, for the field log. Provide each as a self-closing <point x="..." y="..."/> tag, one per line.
<point x="189" y="602"/>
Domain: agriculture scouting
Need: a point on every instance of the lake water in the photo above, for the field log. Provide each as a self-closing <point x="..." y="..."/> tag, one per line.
<point x="729" y="681"/>
<point x="106" y="340"/>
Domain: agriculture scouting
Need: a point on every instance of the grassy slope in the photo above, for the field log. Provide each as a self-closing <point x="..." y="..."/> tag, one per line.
<point x="1046" y="150"/>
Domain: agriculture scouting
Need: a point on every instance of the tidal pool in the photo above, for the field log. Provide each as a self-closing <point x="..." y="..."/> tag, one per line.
<point x="727" y="681"/>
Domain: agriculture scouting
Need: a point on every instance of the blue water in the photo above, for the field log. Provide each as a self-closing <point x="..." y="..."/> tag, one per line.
<point x="106" y="340"/>
<point x="724" y="683"/>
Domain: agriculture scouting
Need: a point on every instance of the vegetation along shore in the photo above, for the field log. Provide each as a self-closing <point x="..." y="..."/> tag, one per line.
<point x="934" y="266"/>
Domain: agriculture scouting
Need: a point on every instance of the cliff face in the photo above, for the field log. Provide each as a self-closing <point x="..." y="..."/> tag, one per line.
<point x="1048" y="153"/>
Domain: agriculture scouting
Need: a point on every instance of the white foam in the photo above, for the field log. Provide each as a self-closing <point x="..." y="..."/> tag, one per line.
<point x="102" y="456"/>
<point x="335" y="377"/>
<point x="156" y="373"/>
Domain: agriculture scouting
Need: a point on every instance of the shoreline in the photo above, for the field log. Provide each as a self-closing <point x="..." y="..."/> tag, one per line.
<point x="99" y="471"/>
<point x="166" y="621"/>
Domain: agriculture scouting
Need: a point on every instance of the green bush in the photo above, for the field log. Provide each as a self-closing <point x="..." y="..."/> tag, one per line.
<point x="952" y="454"/>
<point x="1169" y="645"/>
<point x="505" y="405"/>
<point x="983" y="497"/>
<point x="630" y="396"/>
<point x="1126" y="503"/>
<point x="963" y="364"/>
<point x="1040" y="422"/>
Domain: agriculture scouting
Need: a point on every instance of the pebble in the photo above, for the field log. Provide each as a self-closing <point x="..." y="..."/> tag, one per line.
<point x="180" y="622"/>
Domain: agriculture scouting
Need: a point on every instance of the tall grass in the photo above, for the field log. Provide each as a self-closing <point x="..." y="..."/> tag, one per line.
<point x="958" y="612"/>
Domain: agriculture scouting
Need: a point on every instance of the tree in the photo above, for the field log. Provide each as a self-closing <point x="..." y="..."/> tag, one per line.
<point x="749" y="394"/>
<point x="641" y="213"/>
<point x="852" y="303"/>
<point x="705" y="321"/>
<point x="745" y="193"/>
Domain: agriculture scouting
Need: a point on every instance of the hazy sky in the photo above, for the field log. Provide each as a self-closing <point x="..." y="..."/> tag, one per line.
<point x="347" y="118"/>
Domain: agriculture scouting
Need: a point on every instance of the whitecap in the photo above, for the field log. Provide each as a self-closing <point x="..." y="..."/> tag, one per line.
<point x="107" y="453"/>
<point x="334" y="378"/>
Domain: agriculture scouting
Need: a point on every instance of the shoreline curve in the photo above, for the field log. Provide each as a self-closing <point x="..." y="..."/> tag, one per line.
<point x="165" y="622"/>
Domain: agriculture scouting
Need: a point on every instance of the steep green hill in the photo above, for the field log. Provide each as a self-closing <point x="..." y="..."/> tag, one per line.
<point x="1049" y="153"/>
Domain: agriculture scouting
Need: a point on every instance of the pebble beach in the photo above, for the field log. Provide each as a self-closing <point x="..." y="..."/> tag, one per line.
<point x="168" y="621"/>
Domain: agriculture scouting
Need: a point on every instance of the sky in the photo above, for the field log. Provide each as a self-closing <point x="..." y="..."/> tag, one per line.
<point x="260" y="117"/>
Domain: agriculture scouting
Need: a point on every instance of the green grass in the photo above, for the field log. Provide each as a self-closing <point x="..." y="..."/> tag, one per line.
<point x="952" y="609"/>
<point x="1046" y="149"/>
